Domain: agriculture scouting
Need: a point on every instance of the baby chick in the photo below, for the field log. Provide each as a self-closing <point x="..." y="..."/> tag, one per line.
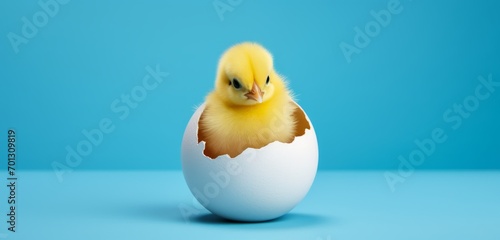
<point x="250" y="106"/>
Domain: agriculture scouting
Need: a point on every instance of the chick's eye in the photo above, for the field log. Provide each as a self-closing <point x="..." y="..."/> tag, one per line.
<point x="236" y="84"/>
<point x="267" y="80"/>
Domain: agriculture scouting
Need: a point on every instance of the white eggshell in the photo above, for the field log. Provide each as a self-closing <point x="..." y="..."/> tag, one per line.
<point x="257" y="185"/>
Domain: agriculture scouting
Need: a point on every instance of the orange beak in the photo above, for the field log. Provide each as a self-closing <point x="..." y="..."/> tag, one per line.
<point x="255" y="94"/>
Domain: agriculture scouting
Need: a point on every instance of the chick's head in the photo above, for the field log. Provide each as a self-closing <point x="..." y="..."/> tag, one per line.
<point x="246" y="75"/>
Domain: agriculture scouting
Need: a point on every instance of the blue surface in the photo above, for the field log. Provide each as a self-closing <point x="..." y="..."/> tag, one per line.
<point x="368" y="108"/>
<point x="341" y="205"/>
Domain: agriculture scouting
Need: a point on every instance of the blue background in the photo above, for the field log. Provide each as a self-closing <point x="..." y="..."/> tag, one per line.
<point x="366" y="113"/>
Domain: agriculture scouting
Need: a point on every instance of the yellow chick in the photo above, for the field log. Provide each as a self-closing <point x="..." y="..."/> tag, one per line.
<point x="250" y="106"/>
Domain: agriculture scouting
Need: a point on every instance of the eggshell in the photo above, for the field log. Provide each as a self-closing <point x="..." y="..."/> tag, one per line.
<point x="257" y="185"/>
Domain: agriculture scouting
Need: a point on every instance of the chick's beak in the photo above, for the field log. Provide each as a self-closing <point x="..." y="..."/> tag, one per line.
<point x="255" y="94"/>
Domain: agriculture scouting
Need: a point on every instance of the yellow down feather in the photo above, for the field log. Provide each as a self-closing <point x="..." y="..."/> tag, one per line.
<point x="236" y="118"/>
